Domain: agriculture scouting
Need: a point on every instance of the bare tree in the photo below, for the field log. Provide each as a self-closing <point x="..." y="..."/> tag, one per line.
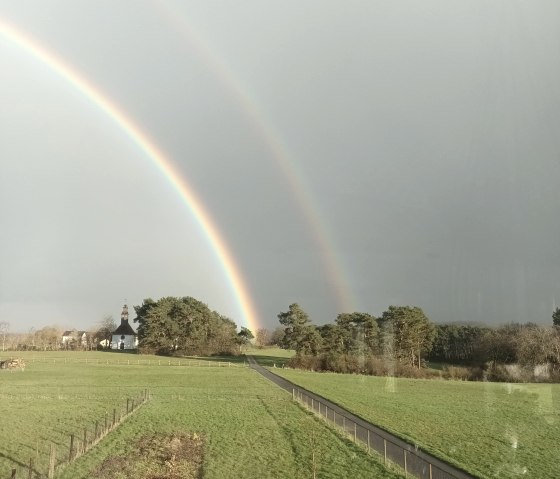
<point x="105" y="329"/>
<point x="4" y="328"/>
<point x="262" y="337"/>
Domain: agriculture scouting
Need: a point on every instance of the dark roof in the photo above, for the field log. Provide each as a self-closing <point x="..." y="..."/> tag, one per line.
<point x="68" y="333"/>
<point x="124" y="328"/>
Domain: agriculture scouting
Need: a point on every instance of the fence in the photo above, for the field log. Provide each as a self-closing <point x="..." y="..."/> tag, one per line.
<point x="415" y="462"/>
<point x="139" y="362"/>
<point x="55" y="455"/>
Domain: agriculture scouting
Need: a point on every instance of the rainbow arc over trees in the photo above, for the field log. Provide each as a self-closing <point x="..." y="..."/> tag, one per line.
<point x="151" y="150"/>
<point x="323" y="239"/>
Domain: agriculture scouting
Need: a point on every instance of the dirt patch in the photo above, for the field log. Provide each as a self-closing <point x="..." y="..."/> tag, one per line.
<point x="157" y="456"/>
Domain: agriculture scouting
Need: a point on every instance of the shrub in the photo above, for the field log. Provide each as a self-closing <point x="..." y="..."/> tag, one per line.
<point x="457" y="373"/>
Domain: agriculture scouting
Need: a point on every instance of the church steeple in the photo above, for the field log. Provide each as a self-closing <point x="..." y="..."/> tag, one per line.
<point x="124" y="314"/>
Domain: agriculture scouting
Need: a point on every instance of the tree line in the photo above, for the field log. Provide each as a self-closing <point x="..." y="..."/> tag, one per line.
<point x="169" y="325"/>
<point x="403" y="339"/>
<point x="186" y="326"/>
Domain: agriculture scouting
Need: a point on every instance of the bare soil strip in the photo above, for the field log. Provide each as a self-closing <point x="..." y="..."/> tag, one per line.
<point x="157" y="456"/>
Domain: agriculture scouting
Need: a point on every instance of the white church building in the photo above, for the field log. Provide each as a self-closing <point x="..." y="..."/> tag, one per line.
<point x="124" y="337"/>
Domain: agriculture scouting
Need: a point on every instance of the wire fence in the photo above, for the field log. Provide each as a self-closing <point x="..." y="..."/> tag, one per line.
<point x="136" y="361"/>
<point x="412" y="460"/>
<point x="50" y="457"/>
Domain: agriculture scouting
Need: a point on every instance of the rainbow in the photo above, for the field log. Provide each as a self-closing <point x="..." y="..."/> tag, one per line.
<point x="321" y="235"/>
<point x="163" y="164"/>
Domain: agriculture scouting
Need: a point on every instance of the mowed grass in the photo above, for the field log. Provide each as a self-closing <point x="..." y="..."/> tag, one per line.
<point x="490" y="429"/>
<point x="250" y="427"/>
<point x="271" y="356"/>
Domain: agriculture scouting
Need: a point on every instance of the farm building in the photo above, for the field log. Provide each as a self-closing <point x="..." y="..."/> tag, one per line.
<point x="74" y="338"/>
<point x="124" y="337"/>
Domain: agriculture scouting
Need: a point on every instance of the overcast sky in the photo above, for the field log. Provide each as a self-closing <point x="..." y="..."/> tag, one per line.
<point x="353" y="154"/>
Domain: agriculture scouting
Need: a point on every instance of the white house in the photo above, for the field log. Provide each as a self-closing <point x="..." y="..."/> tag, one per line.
<point x="124" y="337"/>
<point x="73" y="339"/>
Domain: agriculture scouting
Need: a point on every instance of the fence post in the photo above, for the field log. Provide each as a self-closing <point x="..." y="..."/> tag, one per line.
<point x="405" y="470"/>
<point x="313" y="406"/>
<point x="14" y="472"/>
<point x="105" y="423"/>
<point x="85" y="439"/>
<point x="70" y="455"/>
<point x="385" y="450"/>
<point x="334" y="417"/>
<point x="293" y="394"/>
<point x="52" y="461"/>
<point x="30" y="468"/>
<point x="114" y="417"/>
<point x="127" y="401"/>
<point x="326" y="412"/>
<point x="96" y="430"/>
<point x="368" y="440"/>
<point x="132" y="409"/>
<point x="430" y="470"/>
<point x="355" y="433"/>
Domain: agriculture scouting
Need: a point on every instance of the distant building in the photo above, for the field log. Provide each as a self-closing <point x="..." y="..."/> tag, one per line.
<point x="74" y="339"/>
<point x="124" y="337"/>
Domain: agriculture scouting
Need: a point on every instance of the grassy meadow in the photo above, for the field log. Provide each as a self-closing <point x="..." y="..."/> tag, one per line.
<point x="243" y="425"/>
<point x="493" y="430"/>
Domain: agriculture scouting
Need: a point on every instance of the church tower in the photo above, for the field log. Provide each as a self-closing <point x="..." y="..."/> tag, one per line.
<point x="124" y="337"/>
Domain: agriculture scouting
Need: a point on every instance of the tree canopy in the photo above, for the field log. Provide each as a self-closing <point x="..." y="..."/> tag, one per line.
<point x="410" y="331"/>
<point x="184" y="325"/>
<point x="299" y="333"/>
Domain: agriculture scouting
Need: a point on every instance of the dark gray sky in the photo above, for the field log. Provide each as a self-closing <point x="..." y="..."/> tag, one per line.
<point x="354" y="154"/>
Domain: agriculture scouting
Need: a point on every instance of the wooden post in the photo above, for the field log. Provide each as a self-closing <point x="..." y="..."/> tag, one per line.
<point x="30" y="468"/>
<point x="326" y="412"/>
<point x="14" y="472"/>
<point x="354" y="432"/>
<point x="368" y="440"/>
<point x="405" y="470"/>
<point x="132" y="408"/>
<point x="85" y="439"/>
<point x="385" y="450"/>
<point x="71" y="454"/>
<point x="52" y="462"/>
<point x="96" y="430"/>
<point x="105" y="423"/>
<point x="127" y="401"/>
<point x="114" y="417"/>
<point x="430" y="470"/>
<point x="293" y="394"/>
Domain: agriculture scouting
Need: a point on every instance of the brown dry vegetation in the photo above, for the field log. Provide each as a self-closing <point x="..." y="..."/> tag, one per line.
<point x="157" y="456"/>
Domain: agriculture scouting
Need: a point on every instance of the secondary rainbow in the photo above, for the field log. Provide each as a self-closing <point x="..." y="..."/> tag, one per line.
<point x="322" y="237"/>
<point x="143" y="141"/>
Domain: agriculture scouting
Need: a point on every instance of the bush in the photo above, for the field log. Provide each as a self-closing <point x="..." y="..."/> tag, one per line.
<point x="457" y="373"/>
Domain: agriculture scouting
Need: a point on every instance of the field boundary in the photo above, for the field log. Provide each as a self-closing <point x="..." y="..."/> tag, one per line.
<point x="184" y="362"/>
<point x="410" y="457"/>
<point x="79" y="444"/>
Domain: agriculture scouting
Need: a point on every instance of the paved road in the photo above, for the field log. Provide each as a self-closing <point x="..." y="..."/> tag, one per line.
<point x="442" y="470"/>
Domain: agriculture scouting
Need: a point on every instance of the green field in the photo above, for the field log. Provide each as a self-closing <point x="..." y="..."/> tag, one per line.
<point x="490" y="429"/>
<point x="247" y="426"/>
